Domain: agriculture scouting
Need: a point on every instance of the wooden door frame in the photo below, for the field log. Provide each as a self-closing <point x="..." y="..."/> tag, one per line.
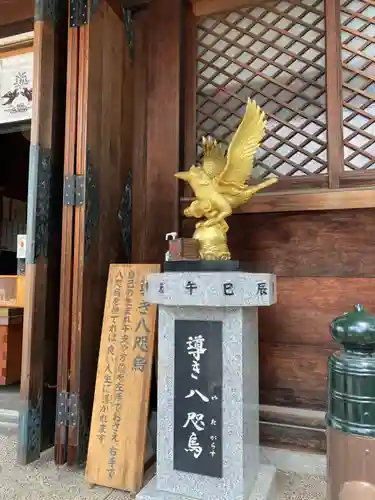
<point x="66" y="270"/>
<point x="38" y="377"/>
<point x="97" y="154"/>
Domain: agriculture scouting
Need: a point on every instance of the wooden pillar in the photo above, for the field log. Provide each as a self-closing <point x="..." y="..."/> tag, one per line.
<point x="157" y="127"/>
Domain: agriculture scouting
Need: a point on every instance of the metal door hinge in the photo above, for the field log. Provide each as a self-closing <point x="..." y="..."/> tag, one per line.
<point x="67" y="409"/>
<point x="74" y="190"/>
<point x="78" y="13"/>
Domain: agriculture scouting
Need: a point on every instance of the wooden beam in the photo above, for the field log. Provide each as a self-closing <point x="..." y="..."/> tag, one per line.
<point x="301" y="201"/>
<point x="15" y="45"/>
<point x="335" y="137"/>
<point x="13" y="29"/>
<point x="283" y="415"/>
<point x="16" y="11"/>
<point x="292" y="437"/>
<point x="208" y="7"/>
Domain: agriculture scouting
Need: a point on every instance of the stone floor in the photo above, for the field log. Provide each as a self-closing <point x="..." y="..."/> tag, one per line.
<point x="301" y="487"/>
<point x="44" y="481"/>
<point x="10" y="397"/>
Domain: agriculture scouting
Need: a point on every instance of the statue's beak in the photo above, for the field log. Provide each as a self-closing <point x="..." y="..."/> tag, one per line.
<point x="184" y="176"/>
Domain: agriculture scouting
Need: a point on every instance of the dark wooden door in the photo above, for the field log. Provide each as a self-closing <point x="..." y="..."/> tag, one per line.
<point x="96" y="226"/>
<point x="38" y="382"/>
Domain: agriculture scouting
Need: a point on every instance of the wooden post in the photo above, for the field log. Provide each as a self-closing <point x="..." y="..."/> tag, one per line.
<point x="334" y="93"/>
<point x="155" y="192"/>
<point x="139" y="137"/>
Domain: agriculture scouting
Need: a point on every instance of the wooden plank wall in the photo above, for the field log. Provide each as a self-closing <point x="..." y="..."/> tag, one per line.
<point x="324" y="262"/>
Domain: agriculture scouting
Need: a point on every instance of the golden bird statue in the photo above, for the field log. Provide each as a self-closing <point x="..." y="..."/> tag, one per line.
<point x="220" y="186"/>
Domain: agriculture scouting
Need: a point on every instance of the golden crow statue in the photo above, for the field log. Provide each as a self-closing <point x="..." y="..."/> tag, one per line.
<point x="220" y="184"/>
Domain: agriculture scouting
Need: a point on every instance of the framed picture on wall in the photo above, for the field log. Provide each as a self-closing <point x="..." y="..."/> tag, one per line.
<point x="16" y="88"/>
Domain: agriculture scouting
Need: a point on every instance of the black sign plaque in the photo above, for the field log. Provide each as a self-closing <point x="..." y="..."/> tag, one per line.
<point x="198" y="384"/>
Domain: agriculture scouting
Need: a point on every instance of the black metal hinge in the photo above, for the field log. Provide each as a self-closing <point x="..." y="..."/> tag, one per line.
<point x="80" y="12"/>
<point x="74" y="190"/>
<point x="67" y="409"/>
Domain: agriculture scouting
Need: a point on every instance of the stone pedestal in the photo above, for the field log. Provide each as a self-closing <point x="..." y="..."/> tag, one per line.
<point x="208" y="386"/>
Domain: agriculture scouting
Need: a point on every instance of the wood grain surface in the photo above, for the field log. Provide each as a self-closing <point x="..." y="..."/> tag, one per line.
<point x="306" y="306"/>
<point x="293" y="375"/>
<point x="15" y="11"/>
<point x="156" y="201"/>
<point x="39" y="359"/>
<point x="102" y="146"/>
<point x="331" y="243"/>
<point x="116" y="455"/>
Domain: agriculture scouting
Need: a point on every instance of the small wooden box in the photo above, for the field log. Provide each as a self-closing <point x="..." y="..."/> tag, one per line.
<point x="184" y="249"/>
<point x="11" y="328"/>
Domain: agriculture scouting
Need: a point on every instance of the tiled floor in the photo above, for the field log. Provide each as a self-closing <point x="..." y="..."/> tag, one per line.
<point x="44" y="481"/>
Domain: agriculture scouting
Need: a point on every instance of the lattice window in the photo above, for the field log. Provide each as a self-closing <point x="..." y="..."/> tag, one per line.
<point x="358" y="60"/>
<point x="275" y="55"/>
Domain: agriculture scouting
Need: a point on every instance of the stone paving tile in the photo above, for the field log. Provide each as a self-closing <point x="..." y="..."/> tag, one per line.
<point x="43" y="480"/>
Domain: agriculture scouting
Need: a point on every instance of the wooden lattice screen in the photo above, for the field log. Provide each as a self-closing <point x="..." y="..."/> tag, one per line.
<point x="358" y="61"/>
<point x="276" y="54"/>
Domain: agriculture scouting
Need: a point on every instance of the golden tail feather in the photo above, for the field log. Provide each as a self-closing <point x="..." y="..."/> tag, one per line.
<point x="254" y="189"/>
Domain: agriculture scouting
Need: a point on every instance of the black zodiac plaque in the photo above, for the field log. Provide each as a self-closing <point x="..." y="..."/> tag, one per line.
<point x="198" y="384"/>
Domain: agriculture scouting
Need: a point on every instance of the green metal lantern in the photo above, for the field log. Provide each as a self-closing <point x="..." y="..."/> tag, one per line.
<point x="351" y="374"/>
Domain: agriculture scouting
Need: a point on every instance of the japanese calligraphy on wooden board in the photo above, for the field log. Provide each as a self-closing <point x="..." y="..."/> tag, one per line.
<point x="118" y="433"/>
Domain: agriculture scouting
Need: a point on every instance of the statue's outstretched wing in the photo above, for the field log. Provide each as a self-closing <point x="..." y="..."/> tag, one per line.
<point x="213" y="157"/>
<point x="241" y="152"/>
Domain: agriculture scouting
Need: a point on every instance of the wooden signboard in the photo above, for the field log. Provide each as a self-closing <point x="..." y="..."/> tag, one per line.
<point x="120" y="414"/>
